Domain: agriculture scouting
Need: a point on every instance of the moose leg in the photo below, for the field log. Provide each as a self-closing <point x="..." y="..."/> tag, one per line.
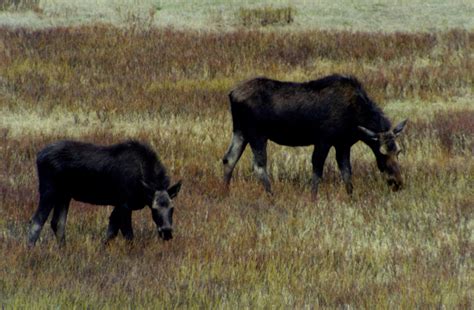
<point x="58" y="222"/>
<point x="114" y="224"/>
<point x="126" y="227"/>
<point x="343" y="155"/>
<point x="46" y="204"/>
<point x="259" y="149"/>
<point x="232" y="156"/>
<point x="319" y="157"/>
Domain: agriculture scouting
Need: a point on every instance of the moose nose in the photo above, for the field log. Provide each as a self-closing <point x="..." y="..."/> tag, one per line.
<point x="166" y="233"/>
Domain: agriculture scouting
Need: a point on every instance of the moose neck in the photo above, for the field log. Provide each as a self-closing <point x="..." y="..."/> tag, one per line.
<point x="373" y="118"/>
<point x="377" y="123"/>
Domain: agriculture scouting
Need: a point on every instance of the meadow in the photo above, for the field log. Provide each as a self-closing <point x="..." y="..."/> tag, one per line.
<point x="168" y="86"/>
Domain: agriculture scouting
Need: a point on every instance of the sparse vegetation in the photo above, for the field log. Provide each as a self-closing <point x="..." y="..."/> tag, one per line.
<point x="169" y="87"/>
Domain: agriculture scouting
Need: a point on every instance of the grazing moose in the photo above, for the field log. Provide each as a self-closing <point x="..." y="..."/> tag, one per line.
<point x="127" y="176"/>
<point x="332" y="111"/>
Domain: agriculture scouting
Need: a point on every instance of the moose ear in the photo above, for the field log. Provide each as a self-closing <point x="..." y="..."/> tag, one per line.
<point x="399" y="128"/>
<point x="369" y="133"/>
<point x="174" y="190"/>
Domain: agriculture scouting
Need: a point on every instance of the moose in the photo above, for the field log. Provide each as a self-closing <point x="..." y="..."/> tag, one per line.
<point x="128" y="176"/>
<point x="334" y="111"/>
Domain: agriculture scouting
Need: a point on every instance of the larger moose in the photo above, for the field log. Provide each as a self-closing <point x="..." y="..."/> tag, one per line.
<point x="332" y="111"/>
<point x="128" y="176"/>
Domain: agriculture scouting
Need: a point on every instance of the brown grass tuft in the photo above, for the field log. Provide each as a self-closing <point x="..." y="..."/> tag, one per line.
<point x="453" y="130"/>
<point x="456" y="131"/>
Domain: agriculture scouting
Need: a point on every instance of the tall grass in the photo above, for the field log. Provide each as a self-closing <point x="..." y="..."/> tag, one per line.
<point x="242" y="249"/>
<point x="95" y="66"/>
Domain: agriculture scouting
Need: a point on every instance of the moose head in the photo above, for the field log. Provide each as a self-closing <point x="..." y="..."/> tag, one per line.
<point x="386" y="150"/>
<point x="162" y="210"/>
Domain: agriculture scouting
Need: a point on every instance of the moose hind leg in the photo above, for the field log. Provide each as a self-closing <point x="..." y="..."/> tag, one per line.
<point x="320" y="154"/>
<point x="46" y="204"/>
<point x="259" y="149"/>
<point x="232" y="156"/>
<point x="344" y="163"/>
<point x="114" y="225"/>
<point x="58" y="222"/>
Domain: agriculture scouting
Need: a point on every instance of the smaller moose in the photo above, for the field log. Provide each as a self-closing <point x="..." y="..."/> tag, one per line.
<point x="128" y="176"/>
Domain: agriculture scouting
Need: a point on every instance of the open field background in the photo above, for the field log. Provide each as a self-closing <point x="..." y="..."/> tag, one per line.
<point x="224" y="15"/>
<point x="169" y="86"/>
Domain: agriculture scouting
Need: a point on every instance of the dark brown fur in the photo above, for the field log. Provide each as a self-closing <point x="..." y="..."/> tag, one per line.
<point x="128" y="176"/>
<point x="325" y="113"/>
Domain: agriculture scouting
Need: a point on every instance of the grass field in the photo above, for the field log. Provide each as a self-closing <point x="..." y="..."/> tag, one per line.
<point x="168" y="86"/>
<point x="223" y="15"/>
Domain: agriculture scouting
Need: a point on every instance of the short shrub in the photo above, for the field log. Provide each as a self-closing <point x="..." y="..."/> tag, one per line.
<point x="265" y="16"/>
<point x="455" y="130"/>
<point x="19" y="5"/>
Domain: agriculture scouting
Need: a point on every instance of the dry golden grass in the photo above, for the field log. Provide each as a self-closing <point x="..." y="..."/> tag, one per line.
<point x="380" y="249"/>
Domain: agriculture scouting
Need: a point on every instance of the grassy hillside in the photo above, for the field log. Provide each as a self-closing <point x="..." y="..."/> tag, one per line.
<point x="169" y="87"/>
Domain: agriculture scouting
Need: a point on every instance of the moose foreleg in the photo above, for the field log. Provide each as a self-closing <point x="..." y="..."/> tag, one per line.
<point x="344" y="163"/>
<point x="126" y="227"/>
